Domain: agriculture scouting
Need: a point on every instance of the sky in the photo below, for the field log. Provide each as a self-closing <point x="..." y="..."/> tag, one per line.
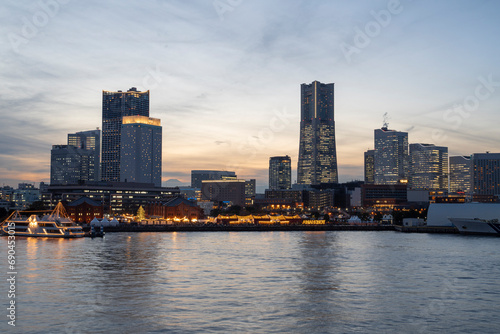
<point x="224" y="76"/>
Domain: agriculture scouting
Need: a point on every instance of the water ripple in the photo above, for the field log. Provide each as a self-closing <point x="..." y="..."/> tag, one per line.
<point x="300" y="282"/>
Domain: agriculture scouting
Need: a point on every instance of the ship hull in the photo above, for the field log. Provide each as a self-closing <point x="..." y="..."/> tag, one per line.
<point x="477" y="226"/>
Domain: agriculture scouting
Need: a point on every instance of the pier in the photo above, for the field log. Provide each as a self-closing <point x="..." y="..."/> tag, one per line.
<point x="280" y="228"/>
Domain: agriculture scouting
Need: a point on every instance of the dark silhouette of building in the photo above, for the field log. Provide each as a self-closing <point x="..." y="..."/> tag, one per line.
<point x="232" y="191"/>
<point x="197" y="176"/>
<point x="388" y="196"/>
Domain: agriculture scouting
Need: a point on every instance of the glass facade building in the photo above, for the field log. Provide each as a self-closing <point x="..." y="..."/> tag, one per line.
<point x="116" y="105"/>
<point x="89" y="140"/>
<point x="317" y="148"/>
<point x="78" y="161"/>
<point x="370" y="167"/>
<point x="71" y="165"/>
<point x="486" y="173"/>
<point x="140" y="150"/>
<point x="391" y="156"/>
<point x="460" y="174"/>
<point x="280" y="173"/>
<point x="428" y="167"/>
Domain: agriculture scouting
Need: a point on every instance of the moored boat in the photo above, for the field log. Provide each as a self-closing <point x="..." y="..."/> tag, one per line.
<point x="477" y="226"/>
<point x="55" y="225"/>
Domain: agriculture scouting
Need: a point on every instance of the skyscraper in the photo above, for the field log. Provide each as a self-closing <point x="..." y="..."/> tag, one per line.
<point x="116" y="105"/>
<point x="391" y="156"/>
<point x="250" y="191"/>
<point x="140" y="150"/>
<point x="89" y="140"/>
<point x="486" y="173"/>
<point x="78" y="161"/>
<point x="428" y="167"/>
<point x="280" y="173"/>
<point x="460" y="174"/>
<point x="317" y="148"/>
<point x="370" y="167"/>
<point x="71" y="165"/>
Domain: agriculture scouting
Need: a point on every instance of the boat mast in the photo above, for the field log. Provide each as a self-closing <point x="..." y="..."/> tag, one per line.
<point x="59" y="211"/>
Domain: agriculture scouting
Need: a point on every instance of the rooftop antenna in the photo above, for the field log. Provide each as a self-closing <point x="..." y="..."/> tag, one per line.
<point x="386" y="121"/>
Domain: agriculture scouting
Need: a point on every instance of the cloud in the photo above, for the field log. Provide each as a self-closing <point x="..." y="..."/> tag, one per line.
<point x="216" y="83"/>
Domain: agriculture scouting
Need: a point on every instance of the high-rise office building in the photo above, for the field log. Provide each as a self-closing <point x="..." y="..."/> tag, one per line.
<point x="428" y="167"/>
<point x="317" y="148"/>
<point x="486" y="173"/>
<point x="197" y="176"/>
<point x="78" y="161"/>
<point x="250" y="188"/>
<point x="370" y="167"/>
<point x="280" y="173"/>
<point x="89" y="140"/>
<point x="116" y="105"/>
<point x="71" y="165"/>
<point x="391" y="156"/>
<point x="460" y="174"/>
<point x="140" y="150"/>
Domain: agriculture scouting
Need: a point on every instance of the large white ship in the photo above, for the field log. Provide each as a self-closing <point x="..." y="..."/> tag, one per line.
<point x="55" y="225"/>
<point x="468" y="218"/>
<point x="476" y="226"/>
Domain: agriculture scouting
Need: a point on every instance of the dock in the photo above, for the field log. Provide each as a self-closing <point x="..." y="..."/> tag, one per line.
<point x="427" y="229"/>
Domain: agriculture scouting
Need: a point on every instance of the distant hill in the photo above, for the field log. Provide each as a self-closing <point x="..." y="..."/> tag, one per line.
<point x="175" y="183"/>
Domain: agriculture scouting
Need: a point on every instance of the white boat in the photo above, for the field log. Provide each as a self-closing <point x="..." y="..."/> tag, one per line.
<point x="477" y="226"/>
<point x="55" y="225"/>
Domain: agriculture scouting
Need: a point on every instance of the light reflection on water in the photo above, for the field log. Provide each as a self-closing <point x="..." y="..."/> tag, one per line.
<point x="258" y="282"/>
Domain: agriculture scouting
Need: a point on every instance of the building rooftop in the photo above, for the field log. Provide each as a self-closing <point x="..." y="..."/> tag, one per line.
<point x="82" y="200"/>
<point x="177" y="201"/>
<point x="141" y="120"/>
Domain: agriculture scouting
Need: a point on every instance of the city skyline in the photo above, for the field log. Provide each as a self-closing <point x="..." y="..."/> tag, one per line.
<point x="209" y="74"/>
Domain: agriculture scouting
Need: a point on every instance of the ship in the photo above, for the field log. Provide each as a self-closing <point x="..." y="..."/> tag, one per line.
<point x="477" y="226"/>
<point x="57" y="224"/>
<point x="468" y="218"/>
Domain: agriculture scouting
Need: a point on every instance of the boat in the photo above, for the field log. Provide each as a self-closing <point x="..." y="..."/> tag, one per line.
<point x="97" y="233"/>
<point x="57" y="224"/>
<point x="477" y="226"/>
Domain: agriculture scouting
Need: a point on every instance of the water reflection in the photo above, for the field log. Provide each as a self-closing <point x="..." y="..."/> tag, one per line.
<point x="318" y="280"/>
<point x="122" y="274"/>
<point x="318" y="263"/>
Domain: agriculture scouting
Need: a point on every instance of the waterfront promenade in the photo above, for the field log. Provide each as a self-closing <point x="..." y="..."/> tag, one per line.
<point x="270" y="228"/>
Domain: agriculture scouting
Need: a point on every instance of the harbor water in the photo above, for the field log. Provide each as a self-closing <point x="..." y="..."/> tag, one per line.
<point x="255" y="282"/>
